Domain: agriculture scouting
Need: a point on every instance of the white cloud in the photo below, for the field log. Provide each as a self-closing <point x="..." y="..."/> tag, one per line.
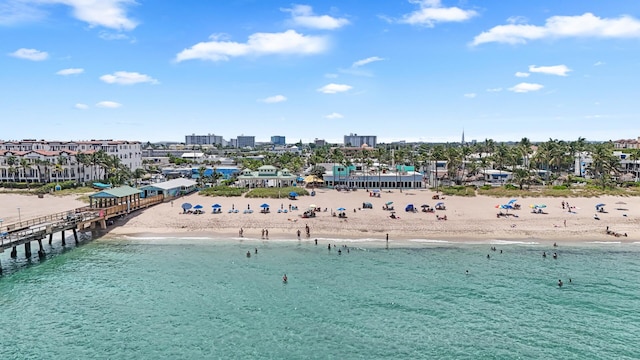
<point x="366" y="61"/>
<point x="522" y="74"/>
<point x="334" y="115"/>
<point x="526" y="87"/>
<point x="334" y="88"/>
<point x="432" y="12"/>
<point x="127" y="78"/>
<point x="560" y="70"/>
<point x="598" y="63"/>
<point x="108" y="104"/>
<point x="30" y="54"/>
<point x="71" y="71"/>
<point x="470" y="95"/>
<point x="81" y="106"/>
<point x="586" y="25"/>
<point x="106" y="13"/>
<point x="494" y="90"/>
<point x="273" y="99"/>
<point x="302" y="15"/>
<point x="106" y="35"/>
<point x="288" y="42"/>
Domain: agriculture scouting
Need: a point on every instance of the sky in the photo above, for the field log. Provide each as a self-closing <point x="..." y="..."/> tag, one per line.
<point x="413" y="70"/>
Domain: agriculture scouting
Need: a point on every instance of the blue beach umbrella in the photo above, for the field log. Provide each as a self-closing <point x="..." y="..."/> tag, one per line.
<point x="216" y="206"/>
<point x="186" y="206"/>
<point x="264" y="206"/>
<point x="512" y="201"/>
<point x="341" y="209"/>
<point x="439" y="204"/>
<point x="198" y="207"/>
<point x="293" y="194"/>
<point x="600" y="205"/>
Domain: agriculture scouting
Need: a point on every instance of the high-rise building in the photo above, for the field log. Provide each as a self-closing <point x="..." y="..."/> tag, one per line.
<point x="246" y="141"/>
<point x="356" y="140"/>
<point x="320" y="142"/>
<point x="209" y="139"/>
<point x="278" y="140"/>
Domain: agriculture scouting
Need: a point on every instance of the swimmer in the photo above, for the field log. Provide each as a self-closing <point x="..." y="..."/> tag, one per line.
<point x="256" y="251"/>
<point x="316" y="241"/>
<point x="488" y="257"/>
<point x="248" y="254"/>
<point x="555" y="255"/>
<point x="329" y="247"/>
<point x="569" y="280"/>
<point x="467" y="272"/>
<point x="339" y="252"/>
<point x="544" y="254"/>
<point x="559" y="283"/>
<point x="555" y="245"/>
<point x="285" y="279"/>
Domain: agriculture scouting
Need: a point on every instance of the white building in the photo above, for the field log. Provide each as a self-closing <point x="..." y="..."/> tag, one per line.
<point x="355" y="140"/>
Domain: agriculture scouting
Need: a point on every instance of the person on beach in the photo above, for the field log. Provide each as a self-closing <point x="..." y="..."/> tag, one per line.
<point x="263" y="233"/>
<point x="565" y="223"/>
<point x="266" y="233"/>
<point x="241" y="232"/>
<point x="298" y="233"/>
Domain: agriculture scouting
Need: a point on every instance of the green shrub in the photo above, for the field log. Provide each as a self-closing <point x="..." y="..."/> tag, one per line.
<point x="222" y="190"/>
<point x="276" y="193"/>
<point x="511" y="187"/>
<point x="486" y="187"/>
<point x="560" y="187"/>
<point x="459" y="190"/>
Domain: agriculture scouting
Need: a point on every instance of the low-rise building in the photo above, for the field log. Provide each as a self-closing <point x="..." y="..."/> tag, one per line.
<point x="266" y="176"/>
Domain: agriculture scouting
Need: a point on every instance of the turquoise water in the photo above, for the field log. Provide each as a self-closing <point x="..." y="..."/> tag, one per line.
<point x="191" y="299"/>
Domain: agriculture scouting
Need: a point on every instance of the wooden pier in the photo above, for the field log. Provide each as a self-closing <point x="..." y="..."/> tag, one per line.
<point x="37" y="229"/>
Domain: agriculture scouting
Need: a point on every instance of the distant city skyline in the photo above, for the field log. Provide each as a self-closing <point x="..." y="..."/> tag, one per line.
<point x="412" y="70"/>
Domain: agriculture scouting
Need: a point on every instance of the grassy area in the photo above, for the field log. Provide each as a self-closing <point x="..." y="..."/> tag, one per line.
<point x="276" y="193"/>
<point x="82" y="190"/>
<point x="458" y="190"/>
<point x="558" y="191"/>
<point x="222" y="190"/>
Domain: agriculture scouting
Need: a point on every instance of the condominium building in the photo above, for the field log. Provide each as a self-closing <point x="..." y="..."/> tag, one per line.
<point x="246" y="141"/>
<point x="356" y="140"/>
<point x="278" y="140"/>
<point x="46" y="161"/>
<point x="209" y="139"/>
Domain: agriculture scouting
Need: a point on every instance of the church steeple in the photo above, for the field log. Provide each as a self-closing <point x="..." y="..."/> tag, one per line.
<point x="462" y="142"/>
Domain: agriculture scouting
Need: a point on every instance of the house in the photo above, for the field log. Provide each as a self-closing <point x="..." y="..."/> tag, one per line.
<point x="266" y="176"/>
<point x="170" y="189"/>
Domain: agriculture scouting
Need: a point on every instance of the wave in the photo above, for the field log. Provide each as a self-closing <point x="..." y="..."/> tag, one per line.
<point x="604" y="242"/>
<point x="513" y="242"/>
<point x="430" y="241"/>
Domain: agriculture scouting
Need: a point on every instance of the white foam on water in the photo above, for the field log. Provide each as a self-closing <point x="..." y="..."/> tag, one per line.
<point x="430" y="241"/>
<point x="509" y="242"/>
<point x="605" y="242"/>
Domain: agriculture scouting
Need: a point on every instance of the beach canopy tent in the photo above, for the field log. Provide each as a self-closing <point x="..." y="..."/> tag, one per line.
<point x="116" y="196"/>
<point x="171" y="188"/>
<point x="312" y="179"/>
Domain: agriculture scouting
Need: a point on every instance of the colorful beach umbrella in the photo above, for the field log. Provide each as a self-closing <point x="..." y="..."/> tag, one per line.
<point x="512" y="201"/>
<point x="186" y="206"/>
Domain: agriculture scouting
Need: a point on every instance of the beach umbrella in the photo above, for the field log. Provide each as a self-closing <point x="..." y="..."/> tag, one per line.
<point x="264" y="205"/>
<point x="313" y="206"/>
<point x="293" y="194"/>
<point x="341" y="209"/>
<point x="186" y="206"/>
<point x="389" y="202"/>
<point x="216" y="206"/>
<point x="440" y="203"/>
<point x="424" y="205"/>
<point x="512" y="201"/>
<point x="599" y="205"/>
<point x="375" y="190"/>
<point x="198" y="207"/>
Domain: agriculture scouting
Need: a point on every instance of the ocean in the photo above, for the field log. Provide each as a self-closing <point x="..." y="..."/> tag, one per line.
<point x="155" y="298"/>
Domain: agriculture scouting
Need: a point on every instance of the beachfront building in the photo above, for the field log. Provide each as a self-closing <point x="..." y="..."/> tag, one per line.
<point x="209" y="139"/>
<point x="266" y="176"/>
<point x="627" y="144"/>
<point x="404" y="177"/>
<point x="243" y="141"/>
<point x="129" y="152"/>
<point x="278" y="140"/>
<point x="193" y="172"/>
<point x="497" y="177"/>
<point x="355" y="140"/>
<point x="170" y="189"/>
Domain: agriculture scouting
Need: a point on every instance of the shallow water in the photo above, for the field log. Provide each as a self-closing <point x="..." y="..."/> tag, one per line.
<point x="192" y="299"/>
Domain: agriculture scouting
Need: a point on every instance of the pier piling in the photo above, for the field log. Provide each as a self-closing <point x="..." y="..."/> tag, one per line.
<point x="27" y="249"/>
<point x="41" y="252"/>
<point x="75" y="236"/>
<point x="50" y="238"/>
<point x="63" y="240"/>
<point x="14" y="252"/>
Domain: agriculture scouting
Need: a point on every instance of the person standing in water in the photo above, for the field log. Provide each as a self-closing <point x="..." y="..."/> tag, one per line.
<point x="560" y="283"/>
<point x="285" y="279"/>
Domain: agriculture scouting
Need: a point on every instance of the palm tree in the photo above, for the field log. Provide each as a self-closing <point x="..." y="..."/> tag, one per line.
<point x="25" y="165"/>
<point x="604" y="163"/>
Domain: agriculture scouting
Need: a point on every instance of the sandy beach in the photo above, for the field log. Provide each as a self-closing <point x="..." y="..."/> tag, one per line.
<point x="468" y="218"/>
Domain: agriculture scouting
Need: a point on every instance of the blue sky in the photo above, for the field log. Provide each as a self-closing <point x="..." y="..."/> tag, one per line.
<point x="415" y="70"/>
